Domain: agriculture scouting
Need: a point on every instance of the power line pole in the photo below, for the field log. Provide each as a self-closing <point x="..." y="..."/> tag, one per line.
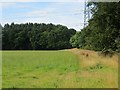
<point x="86" y="13"/>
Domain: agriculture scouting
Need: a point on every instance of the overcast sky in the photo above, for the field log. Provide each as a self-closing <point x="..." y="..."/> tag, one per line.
<point x="69" y="14"/>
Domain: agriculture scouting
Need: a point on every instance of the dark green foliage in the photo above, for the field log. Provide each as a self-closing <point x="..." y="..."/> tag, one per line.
<point x="76" y="40"/>
<point x="103" y="31"/>
<point x="0" y="36"/>
<point x="96" y="67"/>
<point x="36" y="36"/>
<point x="108" y="52"/>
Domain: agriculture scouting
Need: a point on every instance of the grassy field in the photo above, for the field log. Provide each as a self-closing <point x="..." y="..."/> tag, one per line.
<point x="58" y="69"/>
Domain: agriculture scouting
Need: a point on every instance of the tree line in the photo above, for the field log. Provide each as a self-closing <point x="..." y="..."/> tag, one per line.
<point x="36" y="36"/>
<point x="0" y="37"/>
<point x="103" y="30"/>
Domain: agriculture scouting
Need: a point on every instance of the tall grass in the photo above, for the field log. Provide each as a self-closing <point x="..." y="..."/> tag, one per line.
<point x="59" y="69"/>
<point x="99" y="70"/>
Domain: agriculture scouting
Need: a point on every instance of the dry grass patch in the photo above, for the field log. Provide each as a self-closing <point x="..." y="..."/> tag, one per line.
<point x="98" y="68"/>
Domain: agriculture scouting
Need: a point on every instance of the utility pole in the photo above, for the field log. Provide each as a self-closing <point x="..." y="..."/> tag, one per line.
<point x="86" y="13"/>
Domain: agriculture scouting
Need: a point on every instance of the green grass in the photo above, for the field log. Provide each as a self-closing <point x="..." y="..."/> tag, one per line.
<point x="36" y="68"/>
<point x="57" y="69"/>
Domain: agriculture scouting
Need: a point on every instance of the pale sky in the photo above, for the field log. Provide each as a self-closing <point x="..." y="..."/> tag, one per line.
<point x="70" y="14"/>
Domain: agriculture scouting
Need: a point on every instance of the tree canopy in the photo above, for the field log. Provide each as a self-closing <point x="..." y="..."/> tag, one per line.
<point x="103" y="31"/>
<point x="35" y="36"/>
<point x="0" y="36"/>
